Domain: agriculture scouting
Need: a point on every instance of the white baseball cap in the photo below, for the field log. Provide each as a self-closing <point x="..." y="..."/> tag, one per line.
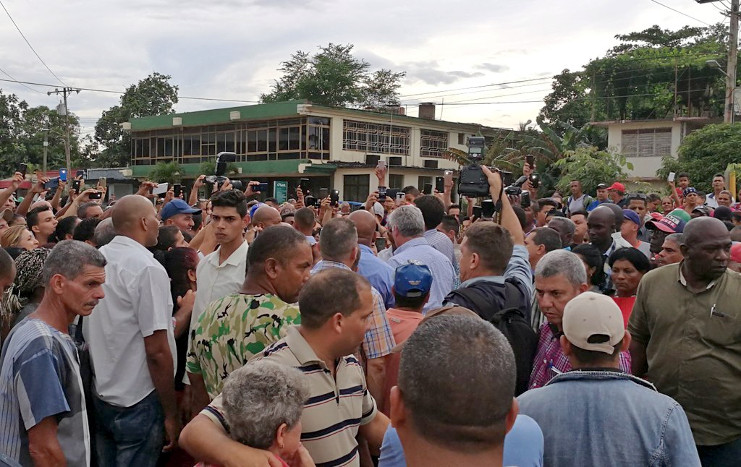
<point x="593" y="321"/>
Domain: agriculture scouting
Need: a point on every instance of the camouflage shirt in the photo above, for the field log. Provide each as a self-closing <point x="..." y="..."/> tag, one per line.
<point x="232" y="330"/>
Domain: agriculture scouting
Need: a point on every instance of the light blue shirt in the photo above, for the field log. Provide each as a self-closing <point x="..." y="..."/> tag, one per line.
<point x="523" y="446"/>
<point x="443" y="274"/>
<point x="378" y="273"/>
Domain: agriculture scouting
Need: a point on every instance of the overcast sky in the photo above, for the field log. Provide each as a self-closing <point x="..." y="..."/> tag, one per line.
<point x="231" y="49"/>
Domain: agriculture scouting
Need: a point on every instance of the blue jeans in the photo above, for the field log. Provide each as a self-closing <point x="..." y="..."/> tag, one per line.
<point x="129" y="436"/>
<point x="722" y="455"/>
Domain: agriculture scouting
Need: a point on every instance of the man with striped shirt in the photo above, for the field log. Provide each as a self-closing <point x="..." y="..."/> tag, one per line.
<point x="335" y="306"/>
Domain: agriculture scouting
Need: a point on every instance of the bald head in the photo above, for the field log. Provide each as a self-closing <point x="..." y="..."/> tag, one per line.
<point x="135" y="217"/>
<point x="617" y="211"/>
<point x="266" y="216"/>
<point x="703" y="227"/>
<point x="365" y="223"/>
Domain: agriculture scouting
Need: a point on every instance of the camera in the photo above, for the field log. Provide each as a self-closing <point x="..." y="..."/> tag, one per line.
<point x="222" y="159"/>
<point x="472" y="181"/>
<point x="515" y="188"/>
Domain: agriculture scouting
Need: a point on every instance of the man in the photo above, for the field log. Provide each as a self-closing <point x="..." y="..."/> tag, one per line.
<point x="616" y="192"/>
<point x="406" y="226"/>
<point x="104" y="233"/>
<point x="579" y="218"/>
<point x="178" y="213"/>
<point x="539" y="242"/>
<point x="132" y="344"/>
<point x="734" y="263"/>
<point x="272" y="202"/>
<point x="412" y="284"/>
<point x="339" y="246"/>
<point x="578" y="201"/>
<point x="719" y="185"/>
<point x="637" y="203"/>
<point x="42" y="223"/>
<point x="43" y="410"/>
<point x="545" y="206"/>
<point x="653" y="202"/>
<point x="264" y="217"/>
<point x="670" y="252"/>
<point x="6" y="216"/>
<point x="235" y="328"/>
<point x="673" y="222"/>
<point x="619" y="219"/>
<point x="691" y="199"/>
<point x="335" y="306"/>
<point x="565" y="228"/>
<point x="410" y="194"/>
<point x="600" y="227"/>
<point x="430" y="407"/>
<point x="596" y="396"/>
<point x="378" y="272"/>
<point x="559" y="277"/>
<point x="90" y="209"/>
<point x="450" y="226"/>
<point x="222" y="272"/>
<point x="304" y="221"/>
<point x="455" y="211"/>
<point x="629" y="231"/>
<point x="433" y="212"/>
<point x="602" y="197"/>
<point x="496" y="275"/>
<point x="685" y="326"/>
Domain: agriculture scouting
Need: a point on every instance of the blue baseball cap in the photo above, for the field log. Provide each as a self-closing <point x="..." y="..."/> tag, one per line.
<point x="412" y="280"/>
<point x="177" y="206"/>
<point x="631" y="216"/>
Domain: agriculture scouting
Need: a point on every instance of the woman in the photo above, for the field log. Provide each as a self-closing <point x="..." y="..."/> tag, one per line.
<point x="27" y="291"/>
<point x="19" y="236"/>
<point x="594" y="263"/>
<point x="263" y="402"/>
<point x="667" y="204"/>
<point x="628" y="267"/>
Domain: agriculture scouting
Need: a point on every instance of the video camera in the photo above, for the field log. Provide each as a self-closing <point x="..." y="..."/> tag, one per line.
<point x="222" y="159"/>
<point x="472" y="181"/>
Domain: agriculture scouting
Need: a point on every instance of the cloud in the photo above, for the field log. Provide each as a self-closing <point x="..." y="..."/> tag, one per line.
<point x="493" y="67"/>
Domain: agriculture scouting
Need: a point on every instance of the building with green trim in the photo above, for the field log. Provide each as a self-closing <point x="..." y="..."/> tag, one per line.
<point x="335" y="148"/>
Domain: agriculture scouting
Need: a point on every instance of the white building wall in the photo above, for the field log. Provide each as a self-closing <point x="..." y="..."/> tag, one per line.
<point x="643" y="167"/>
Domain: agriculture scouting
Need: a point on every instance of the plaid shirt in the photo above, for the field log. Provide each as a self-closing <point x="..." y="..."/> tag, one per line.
<point x="378" y="340"/>
<point x="551" y="361"/>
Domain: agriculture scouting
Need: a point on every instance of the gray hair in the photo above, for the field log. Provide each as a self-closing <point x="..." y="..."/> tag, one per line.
<point x="261" y="396"/>
<point x="562" y="262"/>
<point x="104" y="232"/>
<point x="69" y="257"/>
<point x="675" y="237"/>
<point x="565" y="222"/>
<point x="462" y="349"/>
<point x="408" y="220"/>
<point x="338" y="239"/>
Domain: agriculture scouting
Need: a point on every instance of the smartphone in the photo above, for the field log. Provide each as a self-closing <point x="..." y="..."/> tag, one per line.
<point x="263" y="187"/>
<point x="477" y="212"/>
<point x="310" y="201"/>
<point x="96" y="195"/>
<point x="76" y="185"/>
<point x="303" y="183"/>
<point x="381" y="164"/>
<point x="382" y="193"/>
<point x="323" y="193"/>
<point x="400" y="195"/>
<point x="22" y="168"/>
<point x="671" y="176"/>
<point x="530" y="160"/>
<point x="427" y="189"/>
<point x="161" y="188"/>
<point x="487" y="209"/>
<point x="440" y="184"/>
<point x="178" y="189"/>
<point x="380" y="244"/>
<point x="62" y="175"/>
<point x="525" y="199"/>
<point x="52" y="184"/>
<point x="102" y="182"/>
<point x="80" y="173"/>
<point x="334" y="197"/>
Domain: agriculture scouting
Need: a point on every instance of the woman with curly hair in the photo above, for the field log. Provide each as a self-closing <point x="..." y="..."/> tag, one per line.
<point x="28" y="288"/>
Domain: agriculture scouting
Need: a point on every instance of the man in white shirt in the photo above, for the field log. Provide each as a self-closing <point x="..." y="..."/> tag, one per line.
<point x="222" y="272"/>
<point x="132" y="344"/>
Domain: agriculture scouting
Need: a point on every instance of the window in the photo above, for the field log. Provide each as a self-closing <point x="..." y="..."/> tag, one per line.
<point x="461" y="138"/>
<point x="656" y="142"/>
<point x="433" y="143"/>
<point x="396" y="181"/>
<point x="356" y="188"/>
<point x="425" y="181"/>
<point x="375" y="137"/>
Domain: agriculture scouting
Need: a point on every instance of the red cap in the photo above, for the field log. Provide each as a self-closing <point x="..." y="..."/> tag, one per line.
<point x="617" y="186"/>
<point x="736" y="252"/>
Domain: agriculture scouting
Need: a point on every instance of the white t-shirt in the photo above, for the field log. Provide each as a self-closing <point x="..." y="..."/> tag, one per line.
<point x="216" y="280"/>
<point x="137" y="303"/>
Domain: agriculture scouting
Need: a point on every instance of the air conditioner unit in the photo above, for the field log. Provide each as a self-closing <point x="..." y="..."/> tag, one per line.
<point x="429" y="164"/>
<point x="395" y="162"/>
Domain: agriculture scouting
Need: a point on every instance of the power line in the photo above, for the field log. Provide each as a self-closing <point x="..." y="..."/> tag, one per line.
<point x="681" y="13"/>
<point x="478" y="87"/>
<point x="477" y="91"/>
<point x="11" y="77"/>
<point x="29" y="44"/>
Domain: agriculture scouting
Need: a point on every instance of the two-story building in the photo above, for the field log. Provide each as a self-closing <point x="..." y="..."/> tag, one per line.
<point x="335" y="148"/>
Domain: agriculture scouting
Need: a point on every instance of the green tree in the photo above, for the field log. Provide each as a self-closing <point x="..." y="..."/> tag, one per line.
<point x="334" y="77"/>
<point x="154" y="95"/>
<point x="169" y="172"/>
<point x="704" y="153"/>
<point x="591" y="166"/>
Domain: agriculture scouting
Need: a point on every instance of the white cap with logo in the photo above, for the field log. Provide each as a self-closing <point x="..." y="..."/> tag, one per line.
<point x="593" y="321"/>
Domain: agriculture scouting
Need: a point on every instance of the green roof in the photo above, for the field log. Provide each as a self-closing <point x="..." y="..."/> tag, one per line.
<point x="219" y="116"/>
<point x="249" y="169"/>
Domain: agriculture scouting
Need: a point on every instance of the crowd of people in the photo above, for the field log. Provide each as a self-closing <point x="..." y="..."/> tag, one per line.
<point x="226" y="331"/>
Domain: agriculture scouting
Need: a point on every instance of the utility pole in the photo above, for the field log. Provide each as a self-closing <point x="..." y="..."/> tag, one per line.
<point x="732" y="61"/>
<point x="64" y="92"/>
<point x="46" y="146"/>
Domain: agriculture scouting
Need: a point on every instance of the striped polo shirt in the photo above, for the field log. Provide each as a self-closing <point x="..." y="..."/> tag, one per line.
<point x="336" y="406"/>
